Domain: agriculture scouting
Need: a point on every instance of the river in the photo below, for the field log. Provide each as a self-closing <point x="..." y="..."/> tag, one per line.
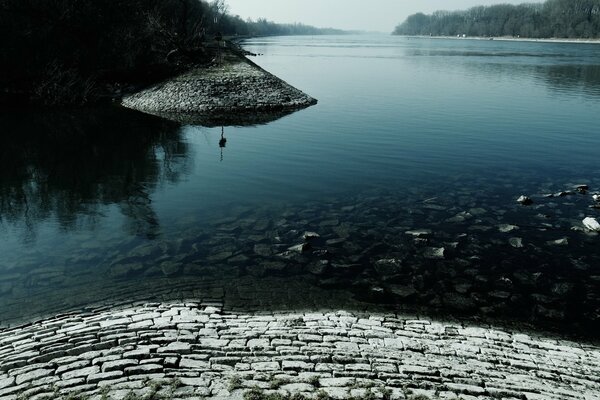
<point x="433" y="137"/>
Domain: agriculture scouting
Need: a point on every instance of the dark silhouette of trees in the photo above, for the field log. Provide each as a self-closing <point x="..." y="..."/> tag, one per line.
<point x="70" y="52"/>
<point x="554" y="18"/>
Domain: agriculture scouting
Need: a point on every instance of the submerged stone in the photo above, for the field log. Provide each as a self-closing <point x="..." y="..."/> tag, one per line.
<point x="123" y="270"/>
<point x="559" y="242"/>
<point x="300" y="248"/>
<point x="434" y="253"/>
<point x="516" y="242"/>
<point x="403" y="290"/>
<point x="566" y="193"/>
<point x="388" y="266"/>
<point x="170" y="268"/>
<point x="582" y="188"/>
<point x="524" y="200"/>
<point x="505" y="228"/>
<point x="419" y="232"/>
<point x="591" y="224"/>
<point x="311" y="235"/>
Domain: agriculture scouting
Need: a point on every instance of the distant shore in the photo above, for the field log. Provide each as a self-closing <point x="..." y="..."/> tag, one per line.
<point x="513" y="39"/>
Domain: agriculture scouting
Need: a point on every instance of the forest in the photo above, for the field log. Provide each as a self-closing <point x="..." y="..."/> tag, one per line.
<point x="74" y="52"/>
<point x="551" y="19"/>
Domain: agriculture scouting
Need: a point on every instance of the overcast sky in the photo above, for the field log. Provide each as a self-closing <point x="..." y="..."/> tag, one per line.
<point x="378" y="15"/>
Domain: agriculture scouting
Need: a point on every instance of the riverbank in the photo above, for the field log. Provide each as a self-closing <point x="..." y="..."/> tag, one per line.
<point x="513" y="39"/>
<point x="233" y="90"/>
<point x="198" y="348"/>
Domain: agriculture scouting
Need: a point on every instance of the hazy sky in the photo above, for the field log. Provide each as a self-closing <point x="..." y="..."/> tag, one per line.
<point x="379" y="15"/>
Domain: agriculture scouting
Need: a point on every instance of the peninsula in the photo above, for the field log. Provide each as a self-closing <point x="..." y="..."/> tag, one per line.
<point x="231" y="90"/>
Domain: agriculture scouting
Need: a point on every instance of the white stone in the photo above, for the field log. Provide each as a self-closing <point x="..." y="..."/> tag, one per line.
<point x="524" y="200"/>
<point x="591" y="224"/>
<point x="6" y="382"/>
<point x="81" y="372"/>
<point x="193" y="364"/>
<point x="419" y="232"/>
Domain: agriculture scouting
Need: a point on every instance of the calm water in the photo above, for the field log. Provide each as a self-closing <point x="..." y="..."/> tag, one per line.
<point x="409" y="134"/>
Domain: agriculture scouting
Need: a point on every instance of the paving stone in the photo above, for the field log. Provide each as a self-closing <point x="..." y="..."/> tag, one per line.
<point x="144" y="369"/>
<point x="81" y="372"/>
<point x="194" y="364"/>
<point x="71" y="366"/>
<point x="297" y="388"/>
<point x="200" y="382"/>
<point x="104" y="376"/>
<point x="213" y="343"/>
<point x="265" y="366"/>
<point x="297" y="366"/>
<point x="176" y="347"/>
<point x="347" y="354"/>
<point x="336" y="393"/>
<point x="337" y="382"/>
<point x="6" y="381"/>
<point x="33" y="375"/>
<point x="258" y="343"/>
<point x="118" y="365"/>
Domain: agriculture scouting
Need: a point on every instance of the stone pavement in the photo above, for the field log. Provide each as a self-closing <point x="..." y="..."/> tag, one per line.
<point x="200" y="350"/>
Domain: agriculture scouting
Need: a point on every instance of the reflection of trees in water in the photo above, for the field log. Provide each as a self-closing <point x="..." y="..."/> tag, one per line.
<point x="580" y="78"/>
<point x="570" y="77"/>
<point x="68" y="165"/>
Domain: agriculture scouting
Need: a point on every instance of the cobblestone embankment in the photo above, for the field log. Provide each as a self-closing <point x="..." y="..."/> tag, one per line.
<point x="235" y="90"/>
<point x="200" y="350"/>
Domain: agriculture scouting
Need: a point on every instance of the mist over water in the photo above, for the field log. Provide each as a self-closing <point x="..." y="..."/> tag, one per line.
<point x="409" y="134"/>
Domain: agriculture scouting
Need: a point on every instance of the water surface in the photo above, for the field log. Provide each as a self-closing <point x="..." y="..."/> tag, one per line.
<point x="409" y="134"/>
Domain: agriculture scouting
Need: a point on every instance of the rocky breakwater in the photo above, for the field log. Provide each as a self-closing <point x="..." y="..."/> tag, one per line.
<point x="196" y="350"/>
<point x="234" y="90"/>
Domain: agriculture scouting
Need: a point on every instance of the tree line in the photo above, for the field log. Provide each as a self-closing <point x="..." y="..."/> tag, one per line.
<point x="551" y="19"/>
<point x="72" y="52"/>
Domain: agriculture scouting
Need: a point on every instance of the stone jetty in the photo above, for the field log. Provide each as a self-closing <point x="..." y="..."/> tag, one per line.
<point x="234" y="89"/>
<point x="195" y="349"/>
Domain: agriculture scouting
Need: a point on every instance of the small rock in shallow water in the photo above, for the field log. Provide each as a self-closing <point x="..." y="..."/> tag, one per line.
<point x="300" y="248"/>
<point x="591" y="224"/>
<point x="170" y="268"/>
<point x="505" y="228"/>
<point x="335" y="242"/>
<point x="559" y="242"/>
<point x="460" y="217"/>
<point x="516" y="242"/>
<point x="403" y="290"/>
<point x="582" y="188"/>
<point x="311" y="235"/>
<point x="434" y="253"/>
<point x="567" y="193"/>
<point x="419" y="232"/>
<point x="524" y="200"/>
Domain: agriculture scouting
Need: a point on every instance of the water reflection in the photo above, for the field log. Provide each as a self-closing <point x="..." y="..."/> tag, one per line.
<point x="66" y="167"/>
<point x="215" y="119"/>
<point x="222" y="142"/>
<point x="563" y="78"/>
<point x="562" y="69"/>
